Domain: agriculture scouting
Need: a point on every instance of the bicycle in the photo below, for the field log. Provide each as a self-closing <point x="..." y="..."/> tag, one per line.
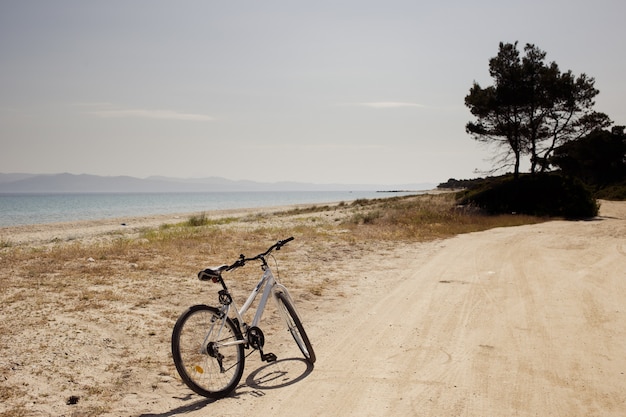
<point x="208" y="342"/>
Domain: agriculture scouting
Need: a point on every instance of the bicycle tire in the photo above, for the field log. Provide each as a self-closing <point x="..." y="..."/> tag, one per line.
<point x="294" y="325"/>
<point x="200" y="368"/>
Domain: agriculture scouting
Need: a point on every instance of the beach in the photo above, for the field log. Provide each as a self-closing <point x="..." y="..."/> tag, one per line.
<point x="87" y="231"/>
<point x="517" y="321"/>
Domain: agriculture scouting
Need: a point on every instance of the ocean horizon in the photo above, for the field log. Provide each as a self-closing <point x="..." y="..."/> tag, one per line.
<point x="19" y="209"/>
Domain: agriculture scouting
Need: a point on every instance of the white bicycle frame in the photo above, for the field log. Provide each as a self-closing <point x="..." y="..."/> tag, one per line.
<point x="270" y="286"/>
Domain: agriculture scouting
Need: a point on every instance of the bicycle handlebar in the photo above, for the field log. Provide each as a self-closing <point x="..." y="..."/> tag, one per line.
<point x="215" y="274"/>
<point x="242" y="259"/>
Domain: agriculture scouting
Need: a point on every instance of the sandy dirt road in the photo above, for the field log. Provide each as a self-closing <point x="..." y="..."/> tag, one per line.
<point x="524" y="321"/>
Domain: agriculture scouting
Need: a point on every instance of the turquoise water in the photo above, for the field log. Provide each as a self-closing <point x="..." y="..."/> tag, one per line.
<point x="24" y="209"/>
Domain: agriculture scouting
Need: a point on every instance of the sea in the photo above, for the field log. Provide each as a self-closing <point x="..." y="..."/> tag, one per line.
<point x="28" y="209"/>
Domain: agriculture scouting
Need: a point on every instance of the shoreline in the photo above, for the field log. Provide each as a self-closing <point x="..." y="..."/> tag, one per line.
<point x="59" y="208"/>
<point x="48" y="233"/>
<point x="88" y="230"/>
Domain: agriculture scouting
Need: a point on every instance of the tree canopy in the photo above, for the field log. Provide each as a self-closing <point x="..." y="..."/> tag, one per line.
<point x="532" y="107"/>
<point x="598" y="159"/>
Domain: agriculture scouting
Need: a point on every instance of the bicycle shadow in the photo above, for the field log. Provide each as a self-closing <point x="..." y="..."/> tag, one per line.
<point x="279" y="374"/>
<point x="194" y="406"/>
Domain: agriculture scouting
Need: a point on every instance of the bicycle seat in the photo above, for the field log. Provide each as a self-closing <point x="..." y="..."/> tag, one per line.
<point x="211" y="273"/>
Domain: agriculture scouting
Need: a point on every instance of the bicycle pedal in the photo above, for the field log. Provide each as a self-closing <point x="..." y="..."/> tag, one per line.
<point x="268" y="357"/>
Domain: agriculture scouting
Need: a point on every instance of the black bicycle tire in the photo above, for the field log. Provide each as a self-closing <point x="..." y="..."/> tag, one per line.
<point x="304" y="343"/>
<point x="179" y="361"/>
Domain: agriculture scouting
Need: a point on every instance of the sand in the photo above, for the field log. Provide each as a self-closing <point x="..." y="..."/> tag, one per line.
<point x="522" y="321"/>
<point x="89" y="231"/>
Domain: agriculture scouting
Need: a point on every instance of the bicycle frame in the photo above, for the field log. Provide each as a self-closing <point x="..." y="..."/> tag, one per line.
<point x="269" y="286"/>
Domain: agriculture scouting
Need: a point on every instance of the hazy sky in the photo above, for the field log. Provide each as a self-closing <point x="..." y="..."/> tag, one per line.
<point x="317" y="91"/>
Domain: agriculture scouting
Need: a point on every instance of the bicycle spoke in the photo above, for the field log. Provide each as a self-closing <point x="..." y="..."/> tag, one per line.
<point x="207" y="366"/>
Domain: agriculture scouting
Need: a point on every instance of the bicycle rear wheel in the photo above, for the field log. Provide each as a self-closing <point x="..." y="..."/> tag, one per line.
<point x="287" y="310"/>
<point x="204" y="363"/>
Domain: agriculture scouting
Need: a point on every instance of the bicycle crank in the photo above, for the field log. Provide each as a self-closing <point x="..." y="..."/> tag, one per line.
<point x="256" y="339"/>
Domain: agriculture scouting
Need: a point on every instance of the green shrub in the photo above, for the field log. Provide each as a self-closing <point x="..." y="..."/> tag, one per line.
<point x="198" y="220"/>
<point x="537" y="195"/>
<point x="612" y="192"/>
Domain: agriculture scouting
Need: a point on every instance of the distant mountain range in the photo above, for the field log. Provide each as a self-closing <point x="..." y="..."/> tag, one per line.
<point x="84" y="183"/>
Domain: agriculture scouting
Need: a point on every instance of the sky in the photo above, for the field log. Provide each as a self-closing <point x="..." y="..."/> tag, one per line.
<point x="341" y="91"/>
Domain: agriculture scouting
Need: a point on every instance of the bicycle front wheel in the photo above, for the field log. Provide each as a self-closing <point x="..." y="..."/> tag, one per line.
<point x="294" y="325"/>
<point x="206" y="353"/>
